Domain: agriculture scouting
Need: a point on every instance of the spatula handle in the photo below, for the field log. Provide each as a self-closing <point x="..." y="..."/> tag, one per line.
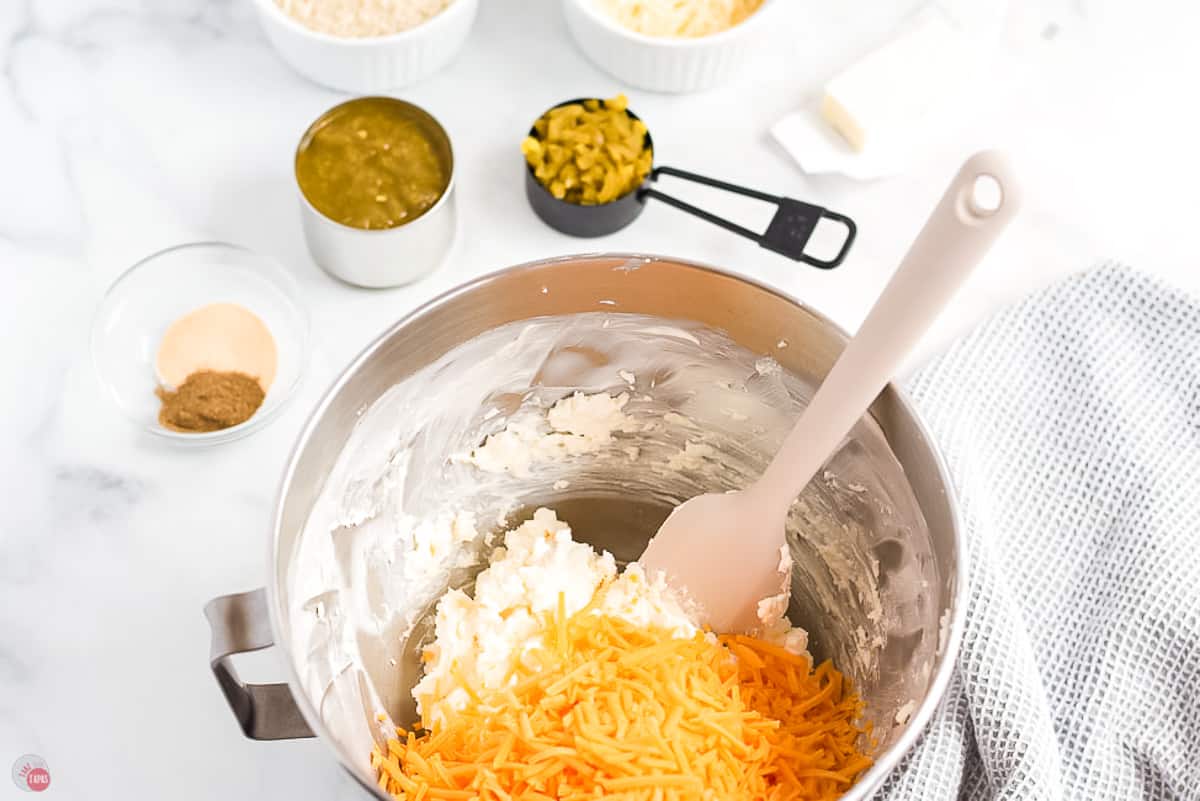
<point x="954" y="240"/>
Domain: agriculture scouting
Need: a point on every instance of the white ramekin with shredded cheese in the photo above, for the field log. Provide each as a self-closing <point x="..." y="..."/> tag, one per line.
<point x="663" y="63"/>
<point x="368" y="64"/>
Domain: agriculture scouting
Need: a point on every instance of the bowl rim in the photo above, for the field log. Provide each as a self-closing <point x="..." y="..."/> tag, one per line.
<point x="280" y="278"/>
<point x="939" y="682"/>
<point x="278" y="16"/>
<point x="602" y="20"/>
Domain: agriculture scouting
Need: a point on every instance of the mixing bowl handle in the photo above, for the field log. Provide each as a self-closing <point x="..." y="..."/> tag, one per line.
<point x="787" y="233"/>
<point x="240" y="624"/>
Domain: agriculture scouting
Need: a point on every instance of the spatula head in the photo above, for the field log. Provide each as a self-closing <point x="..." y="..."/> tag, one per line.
<point x="724" y="552"/>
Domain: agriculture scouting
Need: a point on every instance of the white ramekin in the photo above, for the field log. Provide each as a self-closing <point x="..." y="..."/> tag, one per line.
<point x="371" y="64"/>
<point x="660" y="64"/>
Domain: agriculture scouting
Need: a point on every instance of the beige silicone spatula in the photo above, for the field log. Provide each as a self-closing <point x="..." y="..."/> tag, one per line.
<point x="724" y="549"/>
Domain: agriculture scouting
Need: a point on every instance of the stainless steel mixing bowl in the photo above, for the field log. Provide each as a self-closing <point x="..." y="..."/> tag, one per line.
<point x="911" y="545"/>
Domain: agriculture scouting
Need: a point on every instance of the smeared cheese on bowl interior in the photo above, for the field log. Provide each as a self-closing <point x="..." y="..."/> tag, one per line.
<point x="576" y="425"/>
<point x="480" y="641"/>
<point x="434" y="542"/>
<point x="772" y="612"/>
<point x="679" y="18"/>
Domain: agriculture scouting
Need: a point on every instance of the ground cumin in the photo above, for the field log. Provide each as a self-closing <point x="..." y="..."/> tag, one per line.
<point x="210" y="401"/>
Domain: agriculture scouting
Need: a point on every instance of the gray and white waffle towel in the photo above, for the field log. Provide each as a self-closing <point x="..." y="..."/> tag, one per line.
<point x="1071" y="426"/>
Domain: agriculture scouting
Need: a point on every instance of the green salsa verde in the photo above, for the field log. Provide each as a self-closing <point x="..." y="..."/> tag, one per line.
<point x="374" y="163"/>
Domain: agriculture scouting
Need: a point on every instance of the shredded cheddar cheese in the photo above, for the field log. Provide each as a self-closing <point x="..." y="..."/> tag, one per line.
<point x="615" y="710"/>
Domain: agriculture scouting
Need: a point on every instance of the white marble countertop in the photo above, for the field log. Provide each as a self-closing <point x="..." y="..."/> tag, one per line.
<point x="127" y="126"/>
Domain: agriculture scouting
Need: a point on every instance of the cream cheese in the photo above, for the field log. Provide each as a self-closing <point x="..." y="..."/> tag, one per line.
<point x="695" y="456"/>
<point x="480" y="640"/>
<point x="576" y="425"/>
<point x="772" y="612"/>
<point x="434" y="542"/>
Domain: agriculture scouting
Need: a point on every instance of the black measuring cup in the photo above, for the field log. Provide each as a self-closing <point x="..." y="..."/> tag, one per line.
<point x="788" y="232"/>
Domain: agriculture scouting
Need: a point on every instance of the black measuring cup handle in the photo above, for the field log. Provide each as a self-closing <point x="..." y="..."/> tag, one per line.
<point x="789" y="230"/>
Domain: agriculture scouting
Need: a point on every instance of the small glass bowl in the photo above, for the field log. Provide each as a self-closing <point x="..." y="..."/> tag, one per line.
<point x="152" y="294"/>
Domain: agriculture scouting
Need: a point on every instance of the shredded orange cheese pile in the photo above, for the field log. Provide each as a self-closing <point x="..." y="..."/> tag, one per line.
<point x="615" y="710"/>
